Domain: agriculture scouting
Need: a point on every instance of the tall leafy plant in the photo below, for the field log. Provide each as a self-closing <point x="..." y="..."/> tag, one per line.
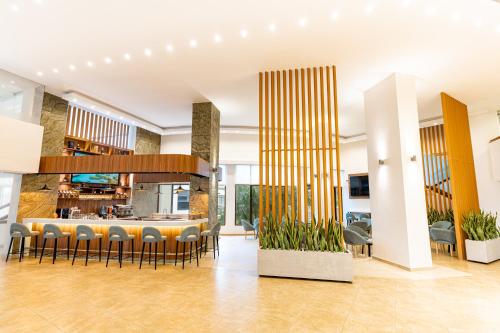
<point x="480" y="226"/>
<point x="433" y="215"/>
<point x="291" y="235"/>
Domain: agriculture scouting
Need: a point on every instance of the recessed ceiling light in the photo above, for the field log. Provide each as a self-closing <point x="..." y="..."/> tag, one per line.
<point x="74" y="100"/>
<point x="107" y="113"/>
<point x="90" y="64"/>
<point x="369" y="8"/>
<point x="193" y="43"/>
<point x="148" y="52"/>
<point x="121" y="117"/>
<point x="302" y="22"/>
<point x="169" y="48"/>
<point x="272" y="27"/>
<point x="14" y="7"/>
<point x="498" y="28"/>
<point x="12" y="82"/>
<point x="92" y="107"/>
<point x="38" y="1"/>
<point x="127" y="57"/>
<point x="72" y="67"/>
<point x="55" y="70"/>
<point x="108" y="60"/>
<point x="217" y="38"/>
<point x="334" y="15"/>
<point x="406" y="3"/>
<point x="243" y="33"/>
<point x="39" y="73"/>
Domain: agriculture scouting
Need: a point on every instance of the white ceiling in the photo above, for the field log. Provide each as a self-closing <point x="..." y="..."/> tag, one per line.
<point x="449" y="45"/>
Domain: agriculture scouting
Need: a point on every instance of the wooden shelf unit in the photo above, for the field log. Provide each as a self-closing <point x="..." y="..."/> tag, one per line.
<point x="91" y="147"/>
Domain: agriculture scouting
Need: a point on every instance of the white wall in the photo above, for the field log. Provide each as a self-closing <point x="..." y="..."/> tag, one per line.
<point x="483" y="128"/>
<point x="400" y="233"/>
<point x="353" y="159"/>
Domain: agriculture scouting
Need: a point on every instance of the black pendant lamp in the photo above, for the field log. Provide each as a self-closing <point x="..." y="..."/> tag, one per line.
<point x="199" y="190"/>
<point x="179" y="189"/>
<point x="44" y="188"/>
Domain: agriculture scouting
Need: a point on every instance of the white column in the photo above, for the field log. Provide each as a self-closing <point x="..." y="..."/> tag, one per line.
<point x="400" y="232"/>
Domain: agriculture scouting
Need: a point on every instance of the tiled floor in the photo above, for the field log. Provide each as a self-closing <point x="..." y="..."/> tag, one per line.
<point x="227" y="296"/>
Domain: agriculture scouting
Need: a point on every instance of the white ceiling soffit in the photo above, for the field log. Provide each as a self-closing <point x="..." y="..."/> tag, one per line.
<point x="153" y="59"/>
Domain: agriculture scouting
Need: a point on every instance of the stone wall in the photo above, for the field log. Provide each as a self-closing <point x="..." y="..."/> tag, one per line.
<point x="145" y="202"/>
<point x="205" y="144"/>
<point x="34" y="203"/>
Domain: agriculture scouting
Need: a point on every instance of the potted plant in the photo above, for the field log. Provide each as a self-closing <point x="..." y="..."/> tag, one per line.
<point x="483" y="243"/>
<point x="303" y="250"/>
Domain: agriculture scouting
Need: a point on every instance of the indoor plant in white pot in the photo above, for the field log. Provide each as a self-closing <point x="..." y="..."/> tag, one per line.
<point x="483" y="243"/>
<point x="303" y="250"/>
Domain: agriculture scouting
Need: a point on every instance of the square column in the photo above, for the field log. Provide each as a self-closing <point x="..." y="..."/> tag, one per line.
<point x="397" y="197"/>
<point x="205" y="144"/>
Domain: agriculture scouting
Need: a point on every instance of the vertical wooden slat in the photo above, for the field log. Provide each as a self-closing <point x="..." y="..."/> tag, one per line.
<point x="440" y="167"/>
<point x="301" y="213"/>
<point x="266" y="119"/>
<point x="435" y="170"/>
<point x="280" y="150"/>
<point x="337" y="148"/>
<point x="421" y="135"/>
<point x="285" y="142"/>
<point x="292" y="155"/>
<point x="304" y="207"/>
<point x="99" y="130"/>
<point x="126" y="136"/>
<point x="273" y="149"/>
<point x="323" y="142"/>
<point x="316" y="138"/>
<point x="68" y="119"/>
<point x="261" y="210"/>
<point x="429" y="169"/>
<point x="91" y="127"/>
<point x="330" y="141"/>
<point x="446" y="170"/>
<point x="311" y="161"/>
<point x="77" y="123"/>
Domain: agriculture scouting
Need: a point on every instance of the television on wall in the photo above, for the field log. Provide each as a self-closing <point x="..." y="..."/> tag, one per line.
<point x="358" y="186"/>
<point x="95" y="178"/>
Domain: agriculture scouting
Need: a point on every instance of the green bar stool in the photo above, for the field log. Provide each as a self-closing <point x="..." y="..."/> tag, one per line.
<point x="21" y="231"/>
<point x="189" y="235"/>
<point x="52" y="231"/>
<point x="152" y="235"/>
<point x="85" y="233"/>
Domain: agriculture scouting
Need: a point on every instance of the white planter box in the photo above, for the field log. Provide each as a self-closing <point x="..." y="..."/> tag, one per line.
<point x="483" y="251"/>
<point x="334" y="266"/>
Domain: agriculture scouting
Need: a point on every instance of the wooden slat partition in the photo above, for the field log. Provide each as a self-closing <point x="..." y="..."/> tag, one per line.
<point x="461" y="163"/>
<point x="295" y="114"/>
<point x="87" y="125"/>
<point x="435" y="165"/>
<point x="158" y="163"/>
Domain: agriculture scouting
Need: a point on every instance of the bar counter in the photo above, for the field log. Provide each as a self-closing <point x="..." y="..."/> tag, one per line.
<point x="168" y="227"/>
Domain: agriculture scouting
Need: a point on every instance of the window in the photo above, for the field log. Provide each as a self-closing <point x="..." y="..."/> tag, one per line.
<point x="221" y="205"/>
<point x="172" y="200"/>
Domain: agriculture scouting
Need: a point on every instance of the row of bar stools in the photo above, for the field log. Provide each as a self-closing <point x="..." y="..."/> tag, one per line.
<point x="52" y="231"/>
<point x="152" y="235"/>
<point x="120" y="235"/>
<point x="188" y="235"/>
<point x="214" y="233"/>
<point x="85" y="233"/>
<point x="20" y="231"/>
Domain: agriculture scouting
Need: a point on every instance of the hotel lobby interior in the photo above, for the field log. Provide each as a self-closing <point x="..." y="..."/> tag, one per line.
<point x="264" y="166"/>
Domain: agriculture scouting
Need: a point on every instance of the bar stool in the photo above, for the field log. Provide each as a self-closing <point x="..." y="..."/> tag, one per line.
<point x="152" y="235"/>
<point x="21" y="231"/>
<point x="120" y="235"/>
<point x="85" y="233"/>
<point x="188" y="235"/>
<point x="214" y="233"/>
<point x="52" y="231"/>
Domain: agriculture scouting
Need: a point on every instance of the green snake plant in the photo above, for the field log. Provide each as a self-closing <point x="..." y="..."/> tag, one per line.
<point x="480" y="226"/>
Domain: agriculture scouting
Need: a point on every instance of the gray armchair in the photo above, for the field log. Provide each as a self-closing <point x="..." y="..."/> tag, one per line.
<point x="443" y="232"/>
<point x="352" y="238"/>
<point x="247" y="227"/>
<point x="364" y="224"/>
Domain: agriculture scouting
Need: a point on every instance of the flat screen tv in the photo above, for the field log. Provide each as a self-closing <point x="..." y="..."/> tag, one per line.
<point x="358" y="186"/>
<point x="95" y="178"/>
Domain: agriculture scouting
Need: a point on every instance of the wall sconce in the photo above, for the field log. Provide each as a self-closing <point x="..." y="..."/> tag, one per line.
<point x="413" y="158"/>
<point x="381" y="162"/>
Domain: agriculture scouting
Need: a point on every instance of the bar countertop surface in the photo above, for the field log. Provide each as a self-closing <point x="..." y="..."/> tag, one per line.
<point x="120" y="222"/>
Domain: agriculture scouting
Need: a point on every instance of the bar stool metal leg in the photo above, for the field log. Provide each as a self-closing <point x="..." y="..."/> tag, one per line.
<point x="156" y="253"/>
<point x="183" y="253"/>
<point x="109" y="250"/>
<point x="213" y="240"/>
<point x="76" y="250"/>
<point x="190" y="251"/>
<point x="43" y="248"/>
<point x="176" y="248"/>
<point x="68" y="248"/>
<point x="196" y="246"/>
<point x="21" y="251"/>
<point x="55" y="251"/>
<point x="36" y="245"/>
<point x="132" y="241"/>
<point x="120" y="252"/>
<point x="87" y="252"/>
<point x="10" y="246"/>
<point x="206" y="244"/>
<point x="100" y="248"/>
<point x="142" y="254"/>
<point x="164" y="251"/>
<point x="217" y="238"/>
<point x="201" y="246"/>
